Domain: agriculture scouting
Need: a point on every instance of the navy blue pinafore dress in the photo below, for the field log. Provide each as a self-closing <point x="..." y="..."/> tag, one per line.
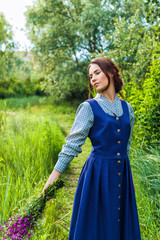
<point x="104" y="204"/>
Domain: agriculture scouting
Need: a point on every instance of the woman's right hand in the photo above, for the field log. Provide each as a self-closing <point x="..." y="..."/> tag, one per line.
<point x="45" y="188"/>
<point x="52" y="178"/>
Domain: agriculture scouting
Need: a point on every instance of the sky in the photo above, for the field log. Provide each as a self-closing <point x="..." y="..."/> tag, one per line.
<point x="14" y="14"/>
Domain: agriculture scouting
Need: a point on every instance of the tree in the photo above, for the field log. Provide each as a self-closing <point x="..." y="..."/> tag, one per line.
<point x="131" y="46"/>
<point x="66" y="34"/>
<point x="6" y="44"/>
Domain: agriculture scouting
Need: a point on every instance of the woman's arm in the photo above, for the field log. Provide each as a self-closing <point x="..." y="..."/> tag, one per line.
<point x="132" y="118"/>
<point x="83" y="122"/>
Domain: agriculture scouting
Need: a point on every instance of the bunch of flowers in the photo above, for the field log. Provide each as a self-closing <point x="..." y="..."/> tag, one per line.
<point x="20" y="226"/>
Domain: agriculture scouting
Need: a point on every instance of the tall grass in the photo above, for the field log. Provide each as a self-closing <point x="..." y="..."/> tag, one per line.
<point x="29" y="146"/>
<point x="21" y="103"/>
<point x="146" y="171"/>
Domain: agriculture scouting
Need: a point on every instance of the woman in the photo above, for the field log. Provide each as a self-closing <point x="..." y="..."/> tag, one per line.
<point x="104" y="204"/>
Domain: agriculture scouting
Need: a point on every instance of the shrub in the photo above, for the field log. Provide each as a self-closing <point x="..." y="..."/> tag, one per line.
<point x="146" y="103"/>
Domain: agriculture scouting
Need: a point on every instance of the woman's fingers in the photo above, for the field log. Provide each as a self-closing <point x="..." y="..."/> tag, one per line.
<point x="43" y="192"/>
<point x="49" y="198"/>
<point x="44" y="189"/>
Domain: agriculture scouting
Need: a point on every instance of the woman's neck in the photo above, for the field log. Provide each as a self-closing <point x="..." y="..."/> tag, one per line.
<point x="110" y="93"/>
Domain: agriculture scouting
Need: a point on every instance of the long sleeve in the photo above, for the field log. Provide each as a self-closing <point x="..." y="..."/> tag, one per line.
<point x="132" y="118"/>
<point x="83" y="122"/>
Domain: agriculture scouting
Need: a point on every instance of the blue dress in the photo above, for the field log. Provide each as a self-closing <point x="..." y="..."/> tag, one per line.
<point x="104" y="205"/>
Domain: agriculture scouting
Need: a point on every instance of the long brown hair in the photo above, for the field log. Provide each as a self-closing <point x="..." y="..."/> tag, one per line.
<point x="108" y="66"/>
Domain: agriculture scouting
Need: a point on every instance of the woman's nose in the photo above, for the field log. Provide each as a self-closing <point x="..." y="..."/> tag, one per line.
<point x="93" y="78"/>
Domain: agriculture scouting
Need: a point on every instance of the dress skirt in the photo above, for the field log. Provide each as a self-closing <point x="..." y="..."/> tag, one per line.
<point x="103" y="209"/>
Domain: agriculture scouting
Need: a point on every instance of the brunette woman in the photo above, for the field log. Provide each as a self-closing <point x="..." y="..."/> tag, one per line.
<point x="104" y="204"/>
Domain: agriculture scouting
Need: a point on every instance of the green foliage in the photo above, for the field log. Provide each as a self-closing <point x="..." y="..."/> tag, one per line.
<point x="67" y="82"/>
<point x="20" y="64"/>
<point x="131" y="47"/>
<point x="15" y="67"/>
<point x="66" y="33"/>
<point x="5" y="33"/>
<point x="17" y="88"/>
<point x="6" y="44"/>
<point x="146" y="103"/>
<point x="152" y="8"/>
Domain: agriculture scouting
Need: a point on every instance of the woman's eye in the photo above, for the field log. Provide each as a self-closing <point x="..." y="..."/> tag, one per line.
<point x="96" y="73"/>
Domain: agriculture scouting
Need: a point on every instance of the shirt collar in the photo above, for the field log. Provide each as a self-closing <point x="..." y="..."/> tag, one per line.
<point x="99" y="96"/>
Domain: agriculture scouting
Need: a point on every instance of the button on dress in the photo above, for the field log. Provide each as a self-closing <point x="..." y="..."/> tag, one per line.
<point x="104" y="205"/>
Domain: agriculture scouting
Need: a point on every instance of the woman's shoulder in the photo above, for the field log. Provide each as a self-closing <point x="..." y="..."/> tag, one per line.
<point x="84" y="105"/>
<point x="84" y="108"/>
<point x="130" y="108"/>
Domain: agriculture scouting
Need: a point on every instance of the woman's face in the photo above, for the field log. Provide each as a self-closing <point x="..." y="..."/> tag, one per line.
<point x="97" y="78"/>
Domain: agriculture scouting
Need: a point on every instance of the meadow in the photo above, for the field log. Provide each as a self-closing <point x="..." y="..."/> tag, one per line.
<point x="32" y="132"/>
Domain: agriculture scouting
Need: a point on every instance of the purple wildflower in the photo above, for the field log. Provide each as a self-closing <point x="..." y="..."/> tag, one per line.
<point x="18" y="229"/>
<point x="18" y="226"/>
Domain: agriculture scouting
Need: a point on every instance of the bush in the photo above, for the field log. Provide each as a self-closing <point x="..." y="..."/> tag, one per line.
<point x="16" y="88"/>
<point x="146" y="103"/>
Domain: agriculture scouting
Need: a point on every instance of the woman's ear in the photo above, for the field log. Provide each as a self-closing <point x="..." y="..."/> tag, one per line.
<point x="111" y="75"/>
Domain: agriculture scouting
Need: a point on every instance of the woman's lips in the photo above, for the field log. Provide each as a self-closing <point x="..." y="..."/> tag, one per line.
<point x="96" y="84"/>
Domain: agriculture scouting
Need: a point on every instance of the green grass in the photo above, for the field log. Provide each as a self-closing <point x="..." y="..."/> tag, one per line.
<point x="20" y="103"/>
<point x="30" y="139"/>
<point x="146" y="173"/>
<point x="32" y="131"/>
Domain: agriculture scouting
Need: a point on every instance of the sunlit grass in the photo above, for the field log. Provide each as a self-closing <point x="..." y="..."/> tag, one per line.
<point x="146" y="171"/>
<point x="29" y="146"/>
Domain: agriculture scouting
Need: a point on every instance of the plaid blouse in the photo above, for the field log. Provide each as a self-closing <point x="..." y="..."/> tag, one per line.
<point x="83" y="122"/>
